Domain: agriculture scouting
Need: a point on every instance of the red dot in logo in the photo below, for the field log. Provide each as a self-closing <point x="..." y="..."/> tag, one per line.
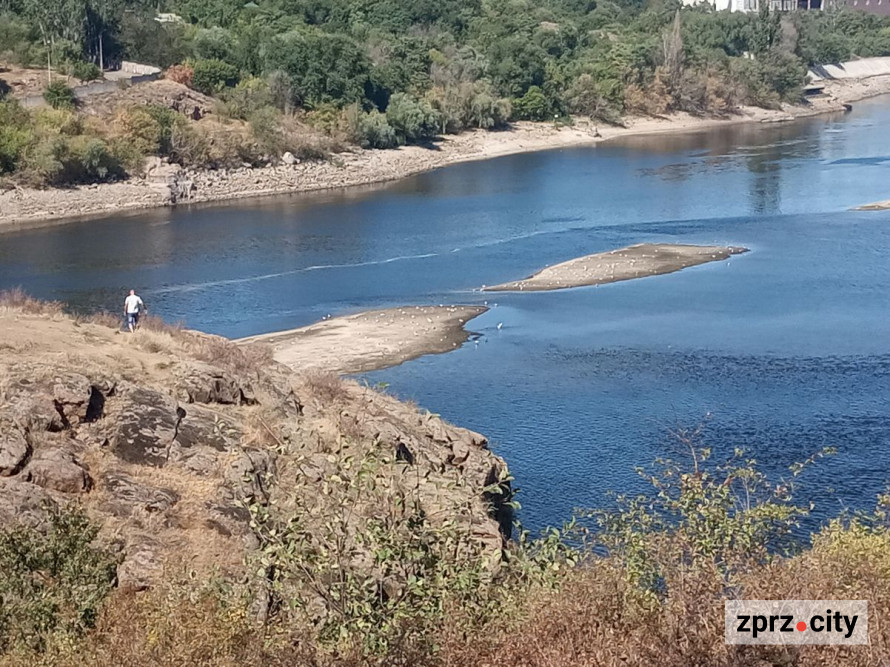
<point x="801" y="626"/>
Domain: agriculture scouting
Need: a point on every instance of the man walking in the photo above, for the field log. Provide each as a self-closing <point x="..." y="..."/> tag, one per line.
<point x="133" y="306"/>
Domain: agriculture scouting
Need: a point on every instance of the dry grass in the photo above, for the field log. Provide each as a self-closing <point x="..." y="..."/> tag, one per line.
<point x="154" y="323"/>
<point x="591" y="620"/>
<point x="17" y="299"/>
<point x="327" y="386"/>
<point x="155" y="341"/>
<point x="178" y="625"/>
<point x="243" y="359"/>
<point x="102" y="318"/>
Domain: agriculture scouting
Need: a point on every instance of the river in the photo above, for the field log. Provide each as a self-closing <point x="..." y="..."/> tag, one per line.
<point x="782" y="351"/>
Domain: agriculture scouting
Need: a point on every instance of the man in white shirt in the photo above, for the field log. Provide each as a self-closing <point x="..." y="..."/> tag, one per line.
<point x="133" y="306"/>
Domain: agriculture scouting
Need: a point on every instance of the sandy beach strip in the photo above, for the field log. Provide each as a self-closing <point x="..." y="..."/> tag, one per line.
<point x="636" y="261"/>
<point x="874" y="206"/>
<point x="22" y="208"/>
<point x="371" y="340"/>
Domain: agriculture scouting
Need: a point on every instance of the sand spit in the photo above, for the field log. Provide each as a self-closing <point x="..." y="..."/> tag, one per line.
<point x="636" y="261"/>
<point x="875" y="206"/>
<point x="371" y="340"/>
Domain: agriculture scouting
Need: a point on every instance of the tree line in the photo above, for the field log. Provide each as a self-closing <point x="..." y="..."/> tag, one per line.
<point x="387" y="72"/>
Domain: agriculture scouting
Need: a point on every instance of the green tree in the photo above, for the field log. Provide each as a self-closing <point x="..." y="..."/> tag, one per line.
<point x="412" y="120"/>
<point x="15" y="135"/>
<point x="211" y="76"/>
<point x="532" y="106"/>
<point x="322" y="67"/>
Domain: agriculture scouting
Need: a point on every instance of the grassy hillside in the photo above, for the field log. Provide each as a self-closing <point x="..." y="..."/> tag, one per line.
<point x="169" y="498"/>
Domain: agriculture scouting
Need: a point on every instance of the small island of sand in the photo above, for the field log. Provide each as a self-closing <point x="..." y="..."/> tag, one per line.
<point x="874" y="206"/>
<point x="371" y="340"/>
<point x="636" y="261"/>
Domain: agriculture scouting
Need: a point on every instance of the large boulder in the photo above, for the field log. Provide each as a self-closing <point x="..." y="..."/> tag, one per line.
<point x="56" y="469"/>
<point x="199" y="382"/>
<point x="22" y="502"/>
<point x="72" y="394"/>
<point x="33" y="406"/>
<point x="249" y="474"/>
<point x="146" y="426"/>
<point x="203" y="427"/>
<point x="14" y="448"/>
<point x="126" y="495"/>
<point x="142" y="564"/>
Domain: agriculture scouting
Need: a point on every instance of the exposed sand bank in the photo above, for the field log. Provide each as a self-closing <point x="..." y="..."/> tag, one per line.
<point x="875" y="206"/>
<point x="371" y="340"/>
<point x="636" y="261"/>
<point x="27" y="207"/>
<point x="377" y="339"/>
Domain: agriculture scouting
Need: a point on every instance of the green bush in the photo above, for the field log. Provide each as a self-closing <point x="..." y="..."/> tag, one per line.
<point x="166" y="118"/>
<point x="97" y="162"/>
<point x="15" y="135"/>
<point x="212" y="75"/>
<point x="373" y="131"/>
<point x="411" y="120"/>
<point x="249" y="96"/>
<point x="54" y="579"/>
<point x="142" y="130"/>
<point x="59" y="96"/>
<point x="85" y="71"/>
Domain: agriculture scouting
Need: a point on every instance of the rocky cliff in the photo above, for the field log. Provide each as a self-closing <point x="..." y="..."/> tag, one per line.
<point x="174" y="440"/>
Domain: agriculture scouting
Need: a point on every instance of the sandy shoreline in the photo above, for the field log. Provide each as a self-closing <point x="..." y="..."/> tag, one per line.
<point x="874" y="206"/>
<point x="21" y="208"/>
<point x="372" y="339"/>
<point x="636" y="261"/>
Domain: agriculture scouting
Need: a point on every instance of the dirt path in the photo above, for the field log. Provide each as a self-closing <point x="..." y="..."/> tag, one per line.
<point x="636" y="261"/>
<point x="371" y="340"/>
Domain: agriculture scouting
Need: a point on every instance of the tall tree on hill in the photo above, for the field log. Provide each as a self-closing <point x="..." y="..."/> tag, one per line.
<point x="674" y="55"/>
<point x="101" y="21"/>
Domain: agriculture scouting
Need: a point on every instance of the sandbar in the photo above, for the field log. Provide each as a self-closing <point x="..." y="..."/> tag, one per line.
<point x="636" y="261"/>
<point x="874" y="206"/>
<point x="370" y="340"/>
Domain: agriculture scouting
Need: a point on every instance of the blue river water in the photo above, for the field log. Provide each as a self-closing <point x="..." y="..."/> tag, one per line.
<point x="783" y="351"/>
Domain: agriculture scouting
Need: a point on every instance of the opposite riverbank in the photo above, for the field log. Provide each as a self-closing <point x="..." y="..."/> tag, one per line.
<point x="20" y="208"/>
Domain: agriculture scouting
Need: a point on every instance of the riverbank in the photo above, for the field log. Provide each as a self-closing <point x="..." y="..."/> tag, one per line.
<point x="21" y="208"/>
<point x="636" y="261"/>
<point x="372" y="339"/>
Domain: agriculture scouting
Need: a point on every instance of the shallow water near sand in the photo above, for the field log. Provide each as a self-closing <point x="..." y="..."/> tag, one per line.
<point x="783" y="351"/>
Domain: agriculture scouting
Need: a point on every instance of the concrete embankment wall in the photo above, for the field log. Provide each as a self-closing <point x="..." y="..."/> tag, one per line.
<point x="129" y="74"/>
<point x="854" y="69"/>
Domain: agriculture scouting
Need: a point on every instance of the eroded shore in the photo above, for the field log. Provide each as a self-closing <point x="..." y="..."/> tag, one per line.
<point x="636" y="261"/>
<point x="371" y="340"/>
<point x="22" y="207"/>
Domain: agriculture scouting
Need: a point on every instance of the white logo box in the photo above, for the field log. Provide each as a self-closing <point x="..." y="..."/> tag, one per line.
<point x="796" y="622"/>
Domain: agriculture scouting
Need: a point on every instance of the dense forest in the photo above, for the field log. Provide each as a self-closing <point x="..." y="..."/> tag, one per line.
<point x="380" y="73"/>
